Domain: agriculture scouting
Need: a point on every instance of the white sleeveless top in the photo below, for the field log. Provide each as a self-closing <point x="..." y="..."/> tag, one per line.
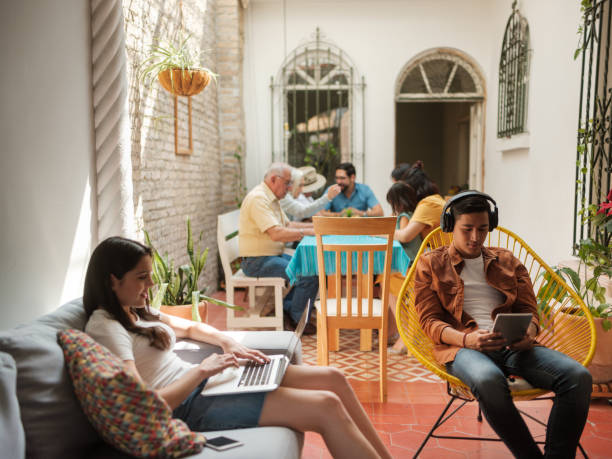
<point x="157" y="367"/>
<point x="479" y="297"/>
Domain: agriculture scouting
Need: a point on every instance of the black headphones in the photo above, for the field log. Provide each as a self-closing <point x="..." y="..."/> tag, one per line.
<point x="447" y="219"/>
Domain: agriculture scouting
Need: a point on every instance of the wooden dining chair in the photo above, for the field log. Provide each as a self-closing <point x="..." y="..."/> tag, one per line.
<point x="566" y="324"/>
<point x="358" y="309"/>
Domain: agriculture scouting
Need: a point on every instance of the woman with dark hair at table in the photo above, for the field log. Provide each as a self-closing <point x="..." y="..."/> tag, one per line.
<point x="418" y="194"/>
<point x="426" y="216"/>
<point x="402" y="199"/>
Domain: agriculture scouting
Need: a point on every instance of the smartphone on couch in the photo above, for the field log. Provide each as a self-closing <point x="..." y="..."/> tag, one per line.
<point x="222" y="443"/>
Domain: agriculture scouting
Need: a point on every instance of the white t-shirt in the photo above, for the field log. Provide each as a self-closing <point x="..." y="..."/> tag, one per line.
<point x="157" y="367"/>
<point x="479" y="297"/>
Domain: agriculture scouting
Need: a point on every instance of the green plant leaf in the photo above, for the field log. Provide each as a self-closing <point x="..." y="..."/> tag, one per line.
<point x="195" y="311"/>
<point x="222" y="303"/>
<point x="189" y="241"/>
<point x="202" y="260"/>
<point x="159" y="296"/>
<point x="572" y="276"/>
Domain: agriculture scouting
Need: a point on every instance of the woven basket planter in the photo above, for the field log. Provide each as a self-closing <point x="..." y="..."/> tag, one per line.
<point x="184" y="82"/>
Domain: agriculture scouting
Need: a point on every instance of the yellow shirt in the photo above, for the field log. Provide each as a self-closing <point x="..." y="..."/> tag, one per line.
<point x="428" y="211"/>
<point x="260" y="211"/>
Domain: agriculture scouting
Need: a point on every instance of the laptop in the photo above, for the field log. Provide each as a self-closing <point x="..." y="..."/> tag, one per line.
<point x="255" y="377"/>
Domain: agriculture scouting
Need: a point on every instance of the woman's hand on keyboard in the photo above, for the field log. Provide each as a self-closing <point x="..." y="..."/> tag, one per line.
<point x="216" y="363"/>
<point x="244" y="352"/>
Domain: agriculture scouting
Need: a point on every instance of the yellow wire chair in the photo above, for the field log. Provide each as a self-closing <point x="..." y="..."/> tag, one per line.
<point x="566" y="324"/>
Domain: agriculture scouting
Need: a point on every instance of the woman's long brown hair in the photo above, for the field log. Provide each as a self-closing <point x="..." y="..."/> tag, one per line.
<point x="116" y="256"/>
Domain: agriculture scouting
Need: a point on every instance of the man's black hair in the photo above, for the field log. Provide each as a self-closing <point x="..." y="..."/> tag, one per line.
<point x="470" y="205"/>
<point x="347" y="167"/>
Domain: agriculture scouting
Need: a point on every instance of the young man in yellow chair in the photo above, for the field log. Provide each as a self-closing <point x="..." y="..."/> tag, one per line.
<point x="459" y="289"/>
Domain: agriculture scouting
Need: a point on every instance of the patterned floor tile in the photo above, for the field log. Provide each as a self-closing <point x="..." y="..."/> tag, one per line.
<point x="363" y="366"/>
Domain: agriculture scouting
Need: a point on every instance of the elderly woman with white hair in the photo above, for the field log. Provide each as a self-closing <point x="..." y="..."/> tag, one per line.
<point x="306" y="180"/>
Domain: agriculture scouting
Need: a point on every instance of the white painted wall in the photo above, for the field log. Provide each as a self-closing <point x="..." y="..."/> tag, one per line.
<point x="45" y="155"/>
<point x="534" y="188"/>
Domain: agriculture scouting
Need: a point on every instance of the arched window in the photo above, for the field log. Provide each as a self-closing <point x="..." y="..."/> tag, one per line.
<point x="317" y="109"/>
<point x="513" y="76"/>
<point x="450" y="78"/>
<point x="436" y="75"/>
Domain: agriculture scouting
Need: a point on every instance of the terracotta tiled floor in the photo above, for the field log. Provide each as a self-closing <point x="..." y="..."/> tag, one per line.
<point x="415" y="400"/>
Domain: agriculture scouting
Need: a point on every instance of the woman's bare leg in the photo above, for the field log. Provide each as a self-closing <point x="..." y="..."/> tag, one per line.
<point x="331" y="379"/>
<point x="318" y="411"/>
<point x="398" y="347"/>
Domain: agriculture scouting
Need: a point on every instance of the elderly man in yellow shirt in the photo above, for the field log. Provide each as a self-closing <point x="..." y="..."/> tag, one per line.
<point x="264" y="229"/>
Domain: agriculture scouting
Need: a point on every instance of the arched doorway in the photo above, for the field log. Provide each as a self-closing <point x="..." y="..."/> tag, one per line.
<point x="439" y="100"/>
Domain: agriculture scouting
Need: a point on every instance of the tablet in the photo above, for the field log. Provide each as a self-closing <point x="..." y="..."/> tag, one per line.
<point x="513" y="327"/>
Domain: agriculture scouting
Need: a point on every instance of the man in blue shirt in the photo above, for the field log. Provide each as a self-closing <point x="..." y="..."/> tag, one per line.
<point x="355" y="197"/>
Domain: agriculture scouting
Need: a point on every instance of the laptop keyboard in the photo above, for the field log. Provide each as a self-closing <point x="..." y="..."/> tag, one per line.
<point x="255" y="374"/>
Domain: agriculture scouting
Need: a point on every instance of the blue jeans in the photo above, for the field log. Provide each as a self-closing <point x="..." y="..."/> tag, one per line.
<point x="220" y="412"/>
<point x="485" y="374"/>
<point x="305" y="287"/>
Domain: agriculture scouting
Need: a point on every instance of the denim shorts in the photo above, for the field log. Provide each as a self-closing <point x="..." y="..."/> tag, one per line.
<point x="220" y="412"/>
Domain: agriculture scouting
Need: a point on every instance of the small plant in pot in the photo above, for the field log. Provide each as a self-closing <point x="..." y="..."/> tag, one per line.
<point x="177" y="67"/>
<point x="177" y="289"/>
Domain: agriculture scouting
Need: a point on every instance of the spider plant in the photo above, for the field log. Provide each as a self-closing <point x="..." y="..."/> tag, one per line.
<point x="166" y="55"/>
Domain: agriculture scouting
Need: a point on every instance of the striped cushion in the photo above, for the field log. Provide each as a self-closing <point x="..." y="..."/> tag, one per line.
<point x="125" y="413"/>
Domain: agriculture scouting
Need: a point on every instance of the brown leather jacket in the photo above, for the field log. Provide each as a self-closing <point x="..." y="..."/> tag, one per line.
<point x="439" y="292"/>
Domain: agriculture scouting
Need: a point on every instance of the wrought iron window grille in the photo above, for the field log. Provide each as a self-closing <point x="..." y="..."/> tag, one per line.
<point x="513" y="76"/>
<point x="594" y="157"/>
<point x="439" y="75"/>
<point x="317" y="109"/>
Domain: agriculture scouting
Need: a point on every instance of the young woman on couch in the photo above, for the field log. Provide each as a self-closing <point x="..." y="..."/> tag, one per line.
<point x="315" y="399"/>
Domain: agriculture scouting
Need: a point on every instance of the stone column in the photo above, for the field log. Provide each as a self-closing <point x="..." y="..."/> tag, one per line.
<point x="114" y="189"/>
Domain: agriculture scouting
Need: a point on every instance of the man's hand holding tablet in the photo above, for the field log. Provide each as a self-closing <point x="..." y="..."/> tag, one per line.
<point x="517" y="329"/>
<point x="484" y="340"/>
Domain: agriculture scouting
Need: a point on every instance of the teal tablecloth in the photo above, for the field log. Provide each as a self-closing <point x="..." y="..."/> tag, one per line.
<point x="304" y="261"/>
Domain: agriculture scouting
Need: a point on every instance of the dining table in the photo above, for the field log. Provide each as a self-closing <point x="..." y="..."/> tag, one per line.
<point x="304" y="260"/>
<point x="304" y="263"/>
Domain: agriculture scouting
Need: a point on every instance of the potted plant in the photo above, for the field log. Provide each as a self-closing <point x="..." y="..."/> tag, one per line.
<point x="595" y="264"/>
<point x="177" y="67"/>
<point x="177" y="290"/>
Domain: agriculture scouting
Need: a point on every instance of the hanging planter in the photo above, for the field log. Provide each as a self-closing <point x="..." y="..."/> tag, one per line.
<point x="180" y="72"/>
<point x="184" y="82"/>
<point x="178" y="68"/>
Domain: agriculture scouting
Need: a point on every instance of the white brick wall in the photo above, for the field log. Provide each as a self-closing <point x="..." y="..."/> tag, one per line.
<point x="230" y="46"/>
<point x="170" y="187"/>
